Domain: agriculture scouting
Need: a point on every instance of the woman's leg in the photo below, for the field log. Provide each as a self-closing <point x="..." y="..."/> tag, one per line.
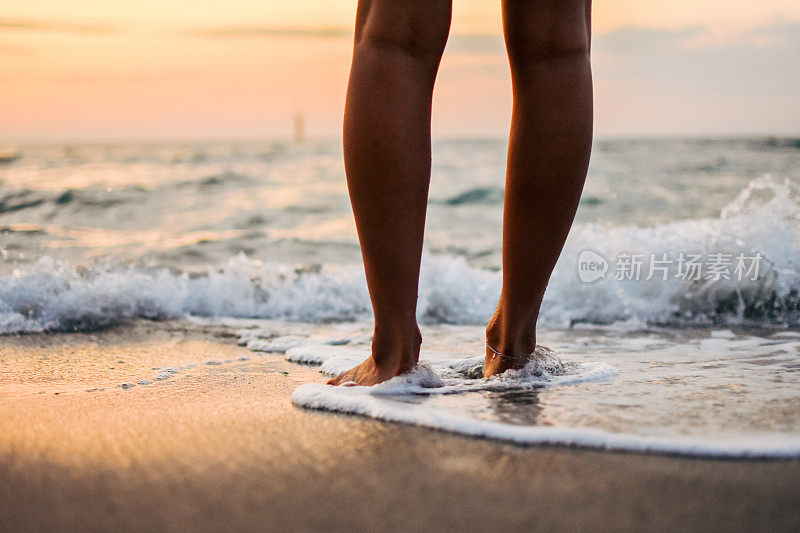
<point x="548" y="45"/>
<point x="387" y="153"/>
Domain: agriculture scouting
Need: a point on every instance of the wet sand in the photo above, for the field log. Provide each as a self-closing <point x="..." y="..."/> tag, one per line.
<point x="219" y="446"/>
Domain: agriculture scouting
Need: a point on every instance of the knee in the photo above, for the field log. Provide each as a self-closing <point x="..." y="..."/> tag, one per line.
<point x="417" y="30"/>
<point x="538" y="31"/>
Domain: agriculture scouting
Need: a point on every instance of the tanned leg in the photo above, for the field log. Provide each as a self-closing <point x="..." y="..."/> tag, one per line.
<point x="387" y="153"/>
<point x="548" y="44"/>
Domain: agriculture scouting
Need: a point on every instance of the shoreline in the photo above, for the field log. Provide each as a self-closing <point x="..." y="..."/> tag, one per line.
<point x="212" y="448"/>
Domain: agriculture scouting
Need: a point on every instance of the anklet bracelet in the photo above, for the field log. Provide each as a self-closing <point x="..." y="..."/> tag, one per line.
<point x="495" y="353"/>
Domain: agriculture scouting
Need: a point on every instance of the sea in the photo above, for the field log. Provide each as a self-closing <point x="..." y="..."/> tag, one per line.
<point x="673" y="314"/>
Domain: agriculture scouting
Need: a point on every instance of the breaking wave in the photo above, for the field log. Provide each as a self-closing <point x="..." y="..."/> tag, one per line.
<point x="764" y="219"/>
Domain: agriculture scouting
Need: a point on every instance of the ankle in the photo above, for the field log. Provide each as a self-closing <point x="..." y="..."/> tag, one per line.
<point x="397" y="344"/>
<point x="512" y="338"/>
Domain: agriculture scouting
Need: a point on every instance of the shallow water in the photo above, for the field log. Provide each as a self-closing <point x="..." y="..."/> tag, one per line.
<point x="712" y="391"/>
<point x="94" y="235"/>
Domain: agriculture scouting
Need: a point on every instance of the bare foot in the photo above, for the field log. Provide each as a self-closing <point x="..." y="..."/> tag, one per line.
<point x="370" y="373"/>
<point x="396" y="357"/>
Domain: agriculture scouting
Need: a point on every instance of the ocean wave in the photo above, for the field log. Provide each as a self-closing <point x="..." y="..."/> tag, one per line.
<point x="17" y="200"/>
<point x="13" y="200"/>
<point x="764" y="220"/>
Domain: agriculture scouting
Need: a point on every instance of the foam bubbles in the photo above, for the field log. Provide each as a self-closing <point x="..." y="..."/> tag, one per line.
<point x="442" y="372"/>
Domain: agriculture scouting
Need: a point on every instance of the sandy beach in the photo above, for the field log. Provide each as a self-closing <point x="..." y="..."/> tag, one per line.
<point x="206" y="214"/>
<point x="220" y="446"/>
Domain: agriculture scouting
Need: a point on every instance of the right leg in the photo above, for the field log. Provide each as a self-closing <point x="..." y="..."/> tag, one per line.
<point x="548" y="156"/>
<point x="387" y="152"/>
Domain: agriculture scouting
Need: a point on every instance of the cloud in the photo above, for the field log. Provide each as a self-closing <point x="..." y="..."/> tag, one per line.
<point x="782" y="34"/>
<point x="7" y="25"/>
<point x="692" y="58"/>
<point x="14" y="50"/>
<point x="763" y="60"/>
<point x="458" y="43"/>
<point x="638" y="40"/>
<point x="272" y="31"/>
<point x="630" y="38"/>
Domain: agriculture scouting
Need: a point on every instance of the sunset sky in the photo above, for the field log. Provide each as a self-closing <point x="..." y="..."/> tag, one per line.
<point x="161" y="69"/>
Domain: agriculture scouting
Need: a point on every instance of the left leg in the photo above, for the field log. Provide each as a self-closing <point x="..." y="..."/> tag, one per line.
<point x="387" y="152"/>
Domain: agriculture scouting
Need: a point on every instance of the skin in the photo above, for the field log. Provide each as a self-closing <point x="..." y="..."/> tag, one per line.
<point x="387" y="151"/>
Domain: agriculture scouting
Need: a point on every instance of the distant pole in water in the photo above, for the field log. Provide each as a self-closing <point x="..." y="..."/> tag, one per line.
<point x="299" y="127"/>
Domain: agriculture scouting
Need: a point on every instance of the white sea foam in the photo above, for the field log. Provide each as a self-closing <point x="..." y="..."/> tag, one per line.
<point x="319" y="353"/>
<point x="369" y="402"/>
<point x="337" y="359"/>
<point x="165" y="373"/>
<point x="275" y="345"/>
<point x="56" y="296"/>
<point x="447" y="373"/>
<point x="427" y="379"/>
